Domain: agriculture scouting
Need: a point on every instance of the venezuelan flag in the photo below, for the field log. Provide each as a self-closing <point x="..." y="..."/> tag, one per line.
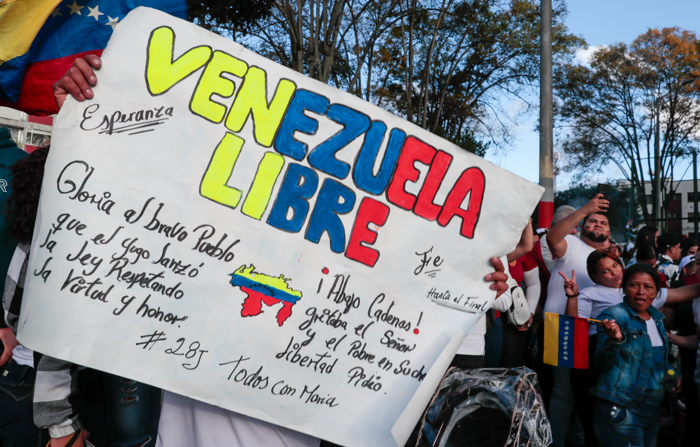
<point x="41" y="38"/>
<point x="565" y="341"/>
<point x="20" y="21"/>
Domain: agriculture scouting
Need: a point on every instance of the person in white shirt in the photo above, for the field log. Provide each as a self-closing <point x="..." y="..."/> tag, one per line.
<point x="570" y="253"/>
<point x="606" y="271"/>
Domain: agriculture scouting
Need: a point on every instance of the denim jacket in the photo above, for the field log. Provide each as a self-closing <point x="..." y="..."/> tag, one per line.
<point x="626" y="367"/>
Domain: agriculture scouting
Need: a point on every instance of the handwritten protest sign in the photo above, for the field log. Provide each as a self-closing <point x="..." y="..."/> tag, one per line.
<point x="225" y="228"/>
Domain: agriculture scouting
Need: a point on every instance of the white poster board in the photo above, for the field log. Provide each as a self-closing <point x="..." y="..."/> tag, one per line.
<point x="225" y="228"/>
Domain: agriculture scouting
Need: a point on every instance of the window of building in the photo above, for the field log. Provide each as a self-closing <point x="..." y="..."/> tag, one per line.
<point x="36" y="138"/>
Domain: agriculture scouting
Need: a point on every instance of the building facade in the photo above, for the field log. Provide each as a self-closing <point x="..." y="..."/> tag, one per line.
<point x="679" y="212"/>
<point x="29" y="132"/>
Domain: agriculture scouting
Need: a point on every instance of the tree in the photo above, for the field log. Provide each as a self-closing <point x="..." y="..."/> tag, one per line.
<point x="628" y="100"/>
<point x="441" y="64"/>
<point x="221" y="15"/>
<point x="331" y="41"/>
<point x="447" y="64"/>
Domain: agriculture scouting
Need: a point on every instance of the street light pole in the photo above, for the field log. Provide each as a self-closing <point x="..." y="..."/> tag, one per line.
<point x="695" y="193"/>
<point x="546" y="205"/>
<point x="657" y="171"/>
<point x="632" y="210"/>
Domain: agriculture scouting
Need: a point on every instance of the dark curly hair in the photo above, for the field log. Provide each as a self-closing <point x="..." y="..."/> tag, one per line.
<point x="22" y="204"/>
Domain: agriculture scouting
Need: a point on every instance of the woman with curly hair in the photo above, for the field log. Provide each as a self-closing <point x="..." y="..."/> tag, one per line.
<point x="127" y="418"/>
<point x="18" y="374"/>
<point x="22" y="204"/>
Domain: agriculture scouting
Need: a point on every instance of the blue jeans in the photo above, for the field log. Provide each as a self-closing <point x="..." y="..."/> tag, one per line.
<point x="562" y="416"/>
<point x="17" y="427"/>
<point x="493" y="341"/>
<point x="127" y="403"/>
<point x="618" y="426"/>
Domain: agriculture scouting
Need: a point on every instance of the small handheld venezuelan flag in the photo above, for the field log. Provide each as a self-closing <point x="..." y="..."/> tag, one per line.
<point x="565" y="341"/>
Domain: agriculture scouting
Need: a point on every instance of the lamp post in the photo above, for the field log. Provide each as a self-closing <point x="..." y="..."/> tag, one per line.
<point x="546" y="205"/>
<point x="632" y="209"/>
<point x="657" y="170"/>
<point x="695" y="192"/>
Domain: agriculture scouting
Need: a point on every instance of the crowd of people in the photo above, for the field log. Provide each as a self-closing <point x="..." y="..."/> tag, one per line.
<point x="633" y="296"/>
<point x="640" y="300"/>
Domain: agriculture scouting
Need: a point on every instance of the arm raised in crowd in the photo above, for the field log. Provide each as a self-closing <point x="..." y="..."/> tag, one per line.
<point x="572" y="293"/>
<point x="555" y="237"/>
<point x="527" y="240"/>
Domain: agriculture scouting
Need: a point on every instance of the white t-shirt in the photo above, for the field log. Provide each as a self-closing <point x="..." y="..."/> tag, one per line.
<point x="575" y="257"/>
<point x="23" y="356"/>
<point x="653" y="332"/>
<point x="594" y="300"/>
<point x="186" y="422"/>
<point x="474" y="343"/>
<point x="547" y="256"/>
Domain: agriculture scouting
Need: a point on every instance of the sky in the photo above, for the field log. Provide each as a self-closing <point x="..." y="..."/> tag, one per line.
<point x="599" y="22"/>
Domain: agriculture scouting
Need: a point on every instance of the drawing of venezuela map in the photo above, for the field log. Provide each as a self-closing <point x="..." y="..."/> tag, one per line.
<point x="262" y="288"/>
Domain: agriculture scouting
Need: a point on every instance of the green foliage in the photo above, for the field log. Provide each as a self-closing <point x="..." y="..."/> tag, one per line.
<point x="444" y="65"/>
<point x="615" y="108"/>
<point x="214" y="15"/>
<point x="469" y="142"/>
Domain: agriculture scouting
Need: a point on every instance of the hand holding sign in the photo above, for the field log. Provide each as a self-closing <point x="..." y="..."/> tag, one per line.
<point x="245" y="234"/>
<point x="78" y="80"/>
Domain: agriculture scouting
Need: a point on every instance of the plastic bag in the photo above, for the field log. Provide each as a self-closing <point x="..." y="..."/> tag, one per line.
<point x="493" y="407"/>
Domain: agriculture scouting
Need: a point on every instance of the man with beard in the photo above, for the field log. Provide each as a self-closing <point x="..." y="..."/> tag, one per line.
<point x="570" y="254"/>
